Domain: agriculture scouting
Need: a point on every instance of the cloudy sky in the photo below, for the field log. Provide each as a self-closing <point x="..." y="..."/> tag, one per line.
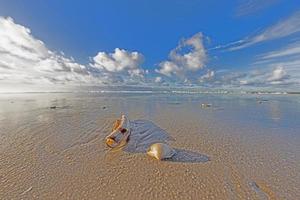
<point x="240" y="44"/>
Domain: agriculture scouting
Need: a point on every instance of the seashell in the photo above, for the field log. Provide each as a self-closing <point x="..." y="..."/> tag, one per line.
<point x="110" y="142"/>
<point x="120" y="133"/>
<point x="206" y="105"/>
<point x="161" y="151"/>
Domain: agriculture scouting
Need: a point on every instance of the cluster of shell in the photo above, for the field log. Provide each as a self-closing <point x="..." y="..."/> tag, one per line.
<point x="117" y="138"/>
<point x="120" y="133"/>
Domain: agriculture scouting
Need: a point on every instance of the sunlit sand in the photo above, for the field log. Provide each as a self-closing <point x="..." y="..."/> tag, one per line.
<point x="52" y="146"/>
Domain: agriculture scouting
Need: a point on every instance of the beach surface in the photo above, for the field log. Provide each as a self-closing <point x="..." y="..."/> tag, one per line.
<point x="245" y="146"/>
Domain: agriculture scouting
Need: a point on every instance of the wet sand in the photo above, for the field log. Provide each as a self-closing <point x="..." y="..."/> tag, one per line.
<point x="253" y="149"/>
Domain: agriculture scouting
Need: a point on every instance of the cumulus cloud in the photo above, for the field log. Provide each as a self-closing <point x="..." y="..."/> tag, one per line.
<point x="25" y="59"/>
<point x="118" y="61"/>
<point x="278" y="74"/>
<point x="180" y="63"/>
<point x="168" y="68"/>
<point x="121" y="63"/>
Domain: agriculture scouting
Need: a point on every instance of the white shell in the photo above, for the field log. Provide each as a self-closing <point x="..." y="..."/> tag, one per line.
<point x="161" y="151"/>
<point x="116" y="138"/>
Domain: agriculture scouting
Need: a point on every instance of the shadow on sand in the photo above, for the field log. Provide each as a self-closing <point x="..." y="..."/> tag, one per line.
<point x="144" y="133"/>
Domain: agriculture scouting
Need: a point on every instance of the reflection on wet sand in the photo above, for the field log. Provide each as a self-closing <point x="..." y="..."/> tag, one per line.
<point x="275" y="111"/>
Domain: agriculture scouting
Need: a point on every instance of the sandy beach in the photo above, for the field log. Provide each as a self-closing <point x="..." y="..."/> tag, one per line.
<point x="52" y="147"/>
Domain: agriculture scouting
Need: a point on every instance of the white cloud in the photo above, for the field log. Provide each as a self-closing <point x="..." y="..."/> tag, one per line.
<point x="25" y="59"/>
<point x="289" y="76"/>
<point x="285" y="76"/>
<point x="179" y="63"/>
<point x="293" y="49"/>
<point x="261" y="78"/>
<point x="208" y="76"/>
<point x="284" y="65"/>
<point x="121" y="66"/>
<point x="228" y="45"/>
<point x="278" y="74"/>
<point x="244" y="82"/>
<point x="158" y="79"/>
<point x="283" y="28"/>
<point x="118" y="61"/>
<point x="168" y="68"/>
<point x="247" y="7"/>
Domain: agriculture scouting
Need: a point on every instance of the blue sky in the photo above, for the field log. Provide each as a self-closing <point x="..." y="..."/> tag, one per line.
<point x="242" y="43"/>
